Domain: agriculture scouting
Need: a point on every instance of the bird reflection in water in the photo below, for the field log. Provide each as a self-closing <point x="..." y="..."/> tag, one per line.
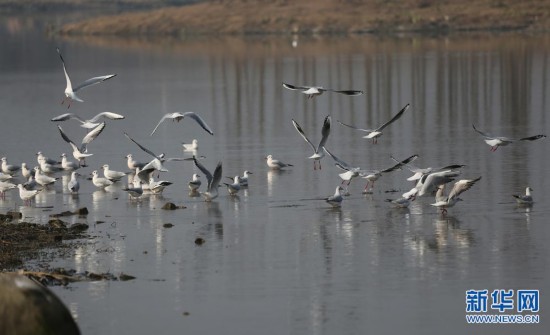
<point x="272" y="177"/>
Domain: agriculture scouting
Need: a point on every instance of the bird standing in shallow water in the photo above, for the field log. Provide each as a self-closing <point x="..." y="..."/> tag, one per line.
<point x="27" y="195"/>
<point x="275" y="164"/>
<point x="195" y="183"/>
<point x="526" y="199"/>
<point x="235" y="187"/>
<point x="100" y="182"/>
<point x="336" y="199"/>
<point x="73" y="186"/>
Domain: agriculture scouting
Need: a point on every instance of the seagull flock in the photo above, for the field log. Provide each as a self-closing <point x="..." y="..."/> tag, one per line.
<point x="428" y="182"/>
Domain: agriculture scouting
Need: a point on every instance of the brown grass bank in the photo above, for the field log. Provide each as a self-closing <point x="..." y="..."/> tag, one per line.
<point x="324" y="17"/>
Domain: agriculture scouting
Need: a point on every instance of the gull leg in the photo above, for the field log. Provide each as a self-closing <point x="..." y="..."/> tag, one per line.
<point x="367" y="186"/>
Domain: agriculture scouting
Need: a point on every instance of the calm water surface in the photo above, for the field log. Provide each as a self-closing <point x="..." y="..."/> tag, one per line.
<point x="276" y="259"/>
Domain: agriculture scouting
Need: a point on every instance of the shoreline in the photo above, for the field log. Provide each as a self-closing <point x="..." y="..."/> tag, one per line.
<point x="324" y="17"/>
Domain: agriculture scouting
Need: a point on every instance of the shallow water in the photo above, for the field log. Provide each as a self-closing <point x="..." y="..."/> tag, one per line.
<point x="277" y="259"/>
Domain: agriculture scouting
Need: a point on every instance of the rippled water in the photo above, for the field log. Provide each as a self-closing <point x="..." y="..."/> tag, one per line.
<point x="277" y="259"/>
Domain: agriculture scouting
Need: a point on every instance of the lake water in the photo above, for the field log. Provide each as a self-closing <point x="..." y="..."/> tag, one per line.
<point x="276" y="259"/>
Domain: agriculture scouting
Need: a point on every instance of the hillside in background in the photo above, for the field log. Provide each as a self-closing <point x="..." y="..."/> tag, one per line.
<point x="323" y="16"/>
<point x="178" y="17"/>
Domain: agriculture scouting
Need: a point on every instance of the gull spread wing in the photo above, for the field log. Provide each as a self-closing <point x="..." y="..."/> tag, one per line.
<point x="204" y="171"/>
<point x="346" y="92"/>
<point x="200" y="121"/>
<point x="428" y="183"/>
<point x="462" y="186"/>
<point x="141" y="146"/>
<point x="93" y="81"/>
<point x="338" y="162"/>
<point x="293" y="87"/>
<point x="108" y="115"/>
<point x="482" y="133"/>
<point x="301" y="131"/>
<point x="67" y="116"/>
<point x="64" y="136"/>
<point x="145" y="174"/>
<point x="353" y="127"/>
<point x="400" y="164"/>
<point x="532" y="138"/>
<point x="92" y="135"/>
<point x="213" y="185"/>
<point x="69" y="85"/>
<point x="325" y="131"/>
<point x="397" y="116"/>
<point x="178" y="116"/>
<point x="164" y="117"/>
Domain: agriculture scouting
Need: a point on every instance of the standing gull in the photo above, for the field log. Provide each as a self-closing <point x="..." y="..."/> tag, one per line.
<point x="213" y="180"/>
<point x="9" y="169"/>
<point x="313" y="91"/>
<point x="81" y="153"/>
<point x="275" y="164"/>
<point x="112" y="175"/>
<point x="135" y="190"/>
<point x="193" y="146"/>
<point x="5" y="186"/>
<point x="376" y="133"/>
<point x="195" y="183"/>
<point x="133" y="164"/>
<point x="244" y="178"/>
<point x="318" y="151"/>
<point x="158" y="186"/>
<point x="88" y="124"/>
<point x="179" y="116"/>
<point x="234" y="187"/>
<point x="27" y="195"/>
<point x="41" y="157"/>
<point x="501" y="141"/>
<point x="24" y="171"/>
<point x="100" y="182"/>
<point x="74" y="185"/>
<point x="403" y="202"/>
<point x="70" y="92"/>
<point x="67" y="165"/>
<point x="336" y="199"/>
<point x="526" y="199"/>
<point x="43" y="179"/>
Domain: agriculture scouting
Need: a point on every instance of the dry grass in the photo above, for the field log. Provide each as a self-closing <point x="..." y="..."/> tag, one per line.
<point x="323" y="16"/>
